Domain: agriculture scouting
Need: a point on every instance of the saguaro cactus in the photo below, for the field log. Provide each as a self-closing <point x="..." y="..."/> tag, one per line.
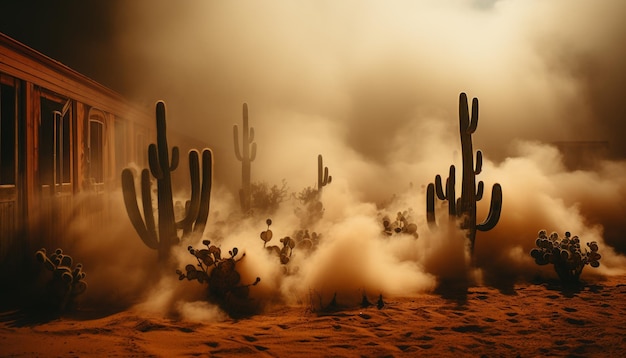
<point x="197" y="208"/>
<point x="323" y="178"/>
<point x="161" y="168"/>
<point x="245" y="155"/>
<point x="465" y="206"/>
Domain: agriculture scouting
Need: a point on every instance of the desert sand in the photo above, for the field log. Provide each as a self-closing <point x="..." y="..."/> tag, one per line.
<point x="528" y="320"/>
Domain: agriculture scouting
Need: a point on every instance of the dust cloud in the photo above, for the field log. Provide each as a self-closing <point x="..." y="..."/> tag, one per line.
<point x="373" y="87"/>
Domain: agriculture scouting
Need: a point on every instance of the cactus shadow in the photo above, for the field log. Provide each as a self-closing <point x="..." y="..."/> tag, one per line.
<point x="36" y="314"/>
<point x="27" y="317"/>
<point x="453" y="290"/>
<point x="569" y="289"/>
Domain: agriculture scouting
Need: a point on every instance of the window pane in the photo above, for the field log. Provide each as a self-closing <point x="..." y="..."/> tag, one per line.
<point x="96" y="141"/>
<point x="121" y="156"/>
<point x="7" y="134"/>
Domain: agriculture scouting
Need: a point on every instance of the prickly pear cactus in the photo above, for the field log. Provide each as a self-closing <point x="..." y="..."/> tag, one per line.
<point x="565" y="254"/>
<point x="222" y="278"/>
<point x="402" y="224"/>
<point x="266" y="235"/>
<point x="67" y="282"/>
<point x="301" y="240"/>
<point x="306" y="241"/>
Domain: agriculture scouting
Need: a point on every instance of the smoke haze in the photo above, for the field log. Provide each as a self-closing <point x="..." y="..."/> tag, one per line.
<point x="373" y="86"/>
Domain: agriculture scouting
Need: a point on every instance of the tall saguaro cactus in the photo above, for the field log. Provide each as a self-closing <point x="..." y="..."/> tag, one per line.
<point x="161" y="167"/>
<point x="323" y="178"/>
<point x="465" y="206"/>
<point x="245" y="155"/>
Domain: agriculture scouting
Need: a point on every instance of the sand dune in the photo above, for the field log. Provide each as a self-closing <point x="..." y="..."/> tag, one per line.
<point x="531" y="319"/>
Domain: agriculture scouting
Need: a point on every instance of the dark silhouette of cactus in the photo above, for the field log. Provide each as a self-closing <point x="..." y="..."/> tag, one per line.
<point x="68" y="281"/>
<point x="565" y="255"/>
<point x="465" y="206"/>
<point x="197" y="209"/>
<point x="245" y="155"/>
<point x="323" y="178"/>
<point x="222" y="278"/>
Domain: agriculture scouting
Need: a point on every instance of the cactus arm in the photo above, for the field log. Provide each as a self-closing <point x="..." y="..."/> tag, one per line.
<point x="430" y="206"/>
<point x="480" y="190"/>
<point x="250" y="133"/>
<point x="479" y="162"/>
<point x="205" y="195"/>
<point x="153" y="162"/>
<point x="174" y="163"/>
<point x="439" y="187"/>
<point x="450" y="191"/>
<point x="494" y="210"/>
<point x="253" y="151"/>
<point x="191" y="210"/>
<point x="473" y="124"/>
<point x="236" y="140"/>
<point x="130" y="201"/>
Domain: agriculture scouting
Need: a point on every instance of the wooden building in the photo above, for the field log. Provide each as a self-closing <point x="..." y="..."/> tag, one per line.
<point x="63" y="136"/>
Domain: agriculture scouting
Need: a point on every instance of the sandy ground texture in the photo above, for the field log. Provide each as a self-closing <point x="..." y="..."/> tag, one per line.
<point x="530" y="320"/>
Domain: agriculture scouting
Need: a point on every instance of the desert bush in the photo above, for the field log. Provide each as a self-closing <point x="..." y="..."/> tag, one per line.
<point x="565" y="254"/>
<point x="67" y="281"/>
<point x="265" y="199"/>
<point x="311" y="209"/>
<point x="222" y="278"/>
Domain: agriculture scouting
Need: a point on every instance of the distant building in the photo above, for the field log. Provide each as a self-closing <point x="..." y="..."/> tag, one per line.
<point x="582" y="154"/>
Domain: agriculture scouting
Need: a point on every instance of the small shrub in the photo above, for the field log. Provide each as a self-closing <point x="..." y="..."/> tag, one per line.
<point x="311" y="208"/>
<point x="265" y="199"/>
<point x="67" y="282"/>
<point x="565" y="254"/>
<point x="222" y="278"/>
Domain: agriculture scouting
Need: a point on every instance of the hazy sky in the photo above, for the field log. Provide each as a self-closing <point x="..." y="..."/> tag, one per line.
<point x="377" y="79"/>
